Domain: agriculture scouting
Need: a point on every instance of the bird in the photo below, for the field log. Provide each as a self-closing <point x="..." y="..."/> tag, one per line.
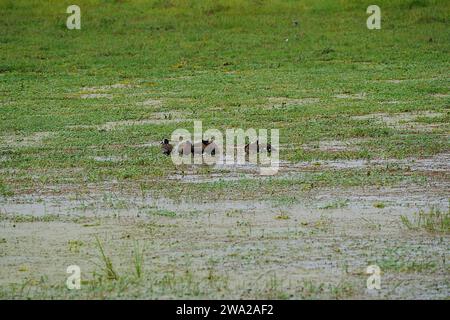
<point x="185" y="148"/>
<point x="166" y="147"/>
<point x="200" y="147"/>
<point x="256" y="145"/>
<point x="209" y="146"/>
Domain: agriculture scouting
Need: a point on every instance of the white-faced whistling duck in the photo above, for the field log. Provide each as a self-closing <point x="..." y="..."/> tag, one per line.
<point x="258" y="147"/>
<point x="166" y="147"/>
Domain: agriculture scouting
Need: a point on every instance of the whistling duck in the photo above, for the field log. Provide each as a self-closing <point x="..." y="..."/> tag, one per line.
<point x="199" y="147"/>
<point x="210" y="147"/>
<point x="185" y="148"/>
<point x="256" y="145"/>
<point x="166" y="147"/>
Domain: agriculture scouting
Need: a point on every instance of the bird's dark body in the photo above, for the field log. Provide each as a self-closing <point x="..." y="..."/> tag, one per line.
<point x="166" y="147"/>
<point x="187" y="147"/>
<point x="256" y="146"/>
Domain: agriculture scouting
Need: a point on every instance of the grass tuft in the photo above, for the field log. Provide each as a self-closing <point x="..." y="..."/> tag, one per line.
<point x="108" y="268"/>
<point x="434" y="221"/>
<point x="138" y="260"/>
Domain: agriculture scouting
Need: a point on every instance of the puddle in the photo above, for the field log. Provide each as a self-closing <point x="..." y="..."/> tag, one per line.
<point x="203" y="178"/>
<point x="225" y="171"/>
<point x="348" y="200"/>
<point x="226" y="239"/>
<point x="111" y="204"/>
<point x="438" y="163"/>
<point x="399" y="199"/>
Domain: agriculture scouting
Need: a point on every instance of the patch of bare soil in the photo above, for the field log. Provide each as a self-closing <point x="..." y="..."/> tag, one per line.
<point x="405" y="120"/>
<point x="108" y="87"/>
<point x="154" y="118"/>
<point x="96" y="96"/>
<point x="109" y="158"/>
<point x="282" y="102"/>
<point x="157" y="120"/>
<point x="398" y="81"/>
<point x="440" y="95"/>
<point x="355" y="96"/>
<point x="147" y="145"/>
<point x="334" y="145"/>
<point x="103" y="92"/>
<point x="395" y="80"/>
<point x="20" y="141"/>
<point x="152" y="103"/>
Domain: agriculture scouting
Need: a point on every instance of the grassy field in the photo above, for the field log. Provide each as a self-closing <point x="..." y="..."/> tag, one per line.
<point x="364" y="124"/>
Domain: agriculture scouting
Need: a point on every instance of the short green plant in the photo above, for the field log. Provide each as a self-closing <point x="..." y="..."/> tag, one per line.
<point x="379" y="205"/>
<point x="434" y="221"/>
<point x="337" y="204"/>
<point x="75" y="245"/>
<point x="138" y="259"/>
<point x="107" y="268"/>
<point x="163" y="213"/>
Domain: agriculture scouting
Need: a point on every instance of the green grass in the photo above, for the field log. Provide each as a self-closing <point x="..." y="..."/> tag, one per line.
<point x="75" y="245"/>
<point x="337" y="204"/>
<point x="229" y="64"/>
<point x="433" y="221"/>
<point x="162" y="213"/>
<point x="217" y="61"/>
<point x="4" y="189"/>
<point x="138" y="260"/>
<point x="286" y="186"/>
<point x="24" y="218"/>
<point x="107" y="266"/>
<point x="408" y="260"/>
<point x="379" y="205"/>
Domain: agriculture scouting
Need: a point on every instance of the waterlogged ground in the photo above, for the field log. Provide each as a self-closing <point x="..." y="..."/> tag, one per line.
<point x="364" y="174"/>
<point x="305" y="243"/>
